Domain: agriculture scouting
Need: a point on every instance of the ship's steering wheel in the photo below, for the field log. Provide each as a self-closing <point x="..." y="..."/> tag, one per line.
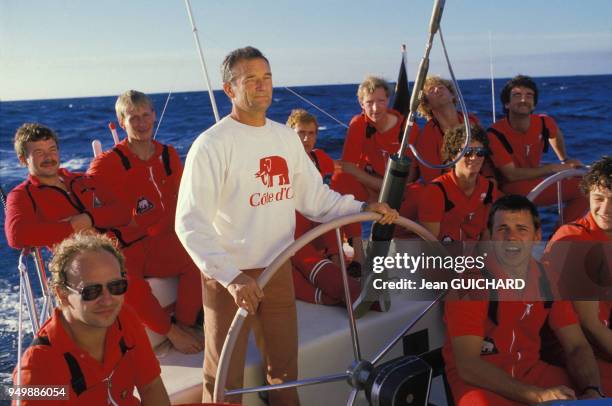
<point x="361" y="371"/>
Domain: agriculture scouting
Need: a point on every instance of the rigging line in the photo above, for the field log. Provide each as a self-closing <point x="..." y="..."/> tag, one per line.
<point x="454" y="79"/>
<point x="213" y="41"/>
<point x="174" y="82"/>
<point x="316" y="107"/>
<point x="162" y="114"/>
<point x="466" y="119"/>
<point x="492" y="77"/>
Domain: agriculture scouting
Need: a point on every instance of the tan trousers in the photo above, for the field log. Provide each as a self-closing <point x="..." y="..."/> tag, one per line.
<point x="275" y="328"/>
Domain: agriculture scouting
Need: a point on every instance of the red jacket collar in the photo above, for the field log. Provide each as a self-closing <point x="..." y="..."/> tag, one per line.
<point x="63" y="173"/>
<point x="123" y="146"/>
<point x="390" y="111"/>
<point x="590" y="223"/>
<point x="62" y="342"/>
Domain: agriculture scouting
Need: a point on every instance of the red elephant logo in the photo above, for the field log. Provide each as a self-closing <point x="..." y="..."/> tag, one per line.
<point x="272" y="166"/>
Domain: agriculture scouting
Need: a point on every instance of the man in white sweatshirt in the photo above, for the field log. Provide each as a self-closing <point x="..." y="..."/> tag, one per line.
<point x="243" y="180"/>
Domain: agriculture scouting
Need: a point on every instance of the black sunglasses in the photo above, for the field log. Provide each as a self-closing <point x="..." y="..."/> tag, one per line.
<point x="92" y="292"/>
<point x="478" y="151"/>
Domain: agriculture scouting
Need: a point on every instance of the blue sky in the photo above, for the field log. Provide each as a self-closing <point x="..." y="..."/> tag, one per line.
<point x="71" y="48"/>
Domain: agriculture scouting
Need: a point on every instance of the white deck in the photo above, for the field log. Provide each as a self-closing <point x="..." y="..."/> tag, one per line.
<point x="324" y="348"/>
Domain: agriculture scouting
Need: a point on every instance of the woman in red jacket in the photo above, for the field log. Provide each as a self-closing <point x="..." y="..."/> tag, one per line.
<point x="455" y="206"/>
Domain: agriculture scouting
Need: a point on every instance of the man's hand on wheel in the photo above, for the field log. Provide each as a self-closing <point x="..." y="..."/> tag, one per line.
<point x="388" y="214"/>
<point x="246" y="292"/>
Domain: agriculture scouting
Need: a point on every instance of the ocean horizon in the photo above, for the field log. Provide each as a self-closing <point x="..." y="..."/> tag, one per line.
<point x="220" y="91"/>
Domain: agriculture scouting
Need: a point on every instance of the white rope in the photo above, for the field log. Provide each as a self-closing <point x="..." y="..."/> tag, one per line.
<point x="466" y="119"/>
<point x="162" y="114"/>
<point x="492" y="77"/>
<point x="317" y="107"/>
<point x="464" y="112"/>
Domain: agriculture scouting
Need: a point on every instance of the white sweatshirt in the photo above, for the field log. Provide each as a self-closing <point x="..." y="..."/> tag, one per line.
<point x="239" y="192"/>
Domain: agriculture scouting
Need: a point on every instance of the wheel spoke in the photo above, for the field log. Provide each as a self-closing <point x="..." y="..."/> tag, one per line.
<point x="407" y="328"/>
<point x="347" y="300"/>
<point x="291" y="384"/>
<point x="236" y="325"/>
<point x="352" y="397"/>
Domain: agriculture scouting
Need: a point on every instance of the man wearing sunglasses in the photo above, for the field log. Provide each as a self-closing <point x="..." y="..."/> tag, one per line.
<point x="93" y="343"/>
<point x="455" y="206"/>
<point x="520" y="140"/>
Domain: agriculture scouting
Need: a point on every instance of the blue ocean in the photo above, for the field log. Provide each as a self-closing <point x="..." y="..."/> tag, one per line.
<point x="580" y="104"/>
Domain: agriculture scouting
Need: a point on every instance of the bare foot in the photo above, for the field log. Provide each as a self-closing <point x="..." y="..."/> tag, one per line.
<point x="194" y="331"/>
<point x="184" y="341"/>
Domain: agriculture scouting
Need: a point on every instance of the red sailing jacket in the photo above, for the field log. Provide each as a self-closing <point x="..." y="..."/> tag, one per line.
<point x="148" y="189"/>
<point x="461" y="217"/>
<point x="55" y="359"/>
<point x="370" y="150"/>
<point x="324" y="163"/>
<point x="525" y="150"/>
<point x="429" y="145"/>
<point x="36" y="213"/>
<point x="583" y="229"/>
<point x="512" y="341"/>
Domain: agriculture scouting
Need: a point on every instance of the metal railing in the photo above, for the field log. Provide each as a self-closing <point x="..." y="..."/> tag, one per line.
<point x="37" y="313"/>
<point x="558" y="179"/>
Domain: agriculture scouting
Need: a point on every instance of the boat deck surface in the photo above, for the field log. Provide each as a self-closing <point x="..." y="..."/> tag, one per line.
<point x="324" y="348"/>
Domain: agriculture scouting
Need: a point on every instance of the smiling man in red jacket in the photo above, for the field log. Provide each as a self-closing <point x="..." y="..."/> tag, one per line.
<point x="145" y="176"/>
<point x="520" y="140"/>
<point x="581" y="253"/>
<point x="53" y="202"/>
<point x="492" y="351"/>
<point x="93" y="350"/>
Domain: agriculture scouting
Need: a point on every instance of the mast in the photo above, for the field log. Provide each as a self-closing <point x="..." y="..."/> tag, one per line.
<point x="394" y="182"/>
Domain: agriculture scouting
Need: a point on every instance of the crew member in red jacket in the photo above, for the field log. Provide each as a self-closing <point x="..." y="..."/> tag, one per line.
<point x="581" y="252"/>
<point x="518" y="142"/>
<point x="145" y="175"/>
<point x="455" y="206"/>
<point x="372" y="137"/>
<point x="493" y="346"/>
<point x="53" y="202"/>
<point x="317" y="277"/>
<point x="93" y="350"/>
<point x="439" y="106"/>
